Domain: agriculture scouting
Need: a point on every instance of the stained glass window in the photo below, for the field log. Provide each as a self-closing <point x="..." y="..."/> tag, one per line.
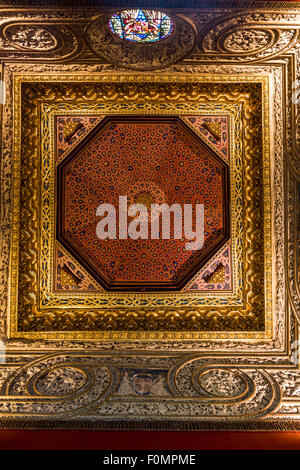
<point x="141" y="26"/>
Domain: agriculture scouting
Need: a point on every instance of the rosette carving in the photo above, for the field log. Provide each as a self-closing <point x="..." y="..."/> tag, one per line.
<point x="246" y="37"/>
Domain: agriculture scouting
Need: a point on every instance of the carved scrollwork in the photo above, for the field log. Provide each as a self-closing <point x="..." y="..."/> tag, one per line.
<point x="293" y="244"/>
<point x="83" y="384"/>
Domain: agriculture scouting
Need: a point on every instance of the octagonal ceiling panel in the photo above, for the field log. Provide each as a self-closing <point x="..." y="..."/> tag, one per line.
<point x="149" y="160"/>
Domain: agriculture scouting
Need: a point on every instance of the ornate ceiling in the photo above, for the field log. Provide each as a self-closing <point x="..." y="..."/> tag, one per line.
<point x="145" y="333"/>
<point x="153" y="160"/>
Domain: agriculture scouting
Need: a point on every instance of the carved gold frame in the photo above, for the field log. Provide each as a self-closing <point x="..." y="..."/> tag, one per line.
<point x="26" y="316"/>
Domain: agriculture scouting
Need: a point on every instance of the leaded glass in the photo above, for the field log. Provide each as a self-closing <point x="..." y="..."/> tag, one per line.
<point x="141" y="26"/>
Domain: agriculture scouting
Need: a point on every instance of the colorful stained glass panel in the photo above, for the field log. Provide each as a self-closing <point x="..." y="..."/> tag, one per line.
<point x="141" y="26"/>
